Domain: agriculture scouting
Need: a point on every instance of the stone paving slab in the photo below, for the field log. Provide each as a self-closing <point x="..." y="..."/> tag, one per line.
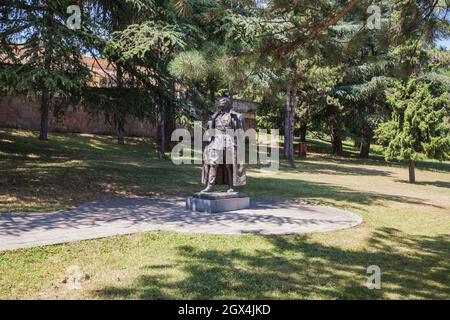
<point x="119" y="216"/>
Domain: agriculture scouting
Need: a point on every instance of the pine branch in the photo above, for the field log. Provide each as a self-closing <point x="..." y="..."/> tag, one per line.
<point x="316" y="30"/>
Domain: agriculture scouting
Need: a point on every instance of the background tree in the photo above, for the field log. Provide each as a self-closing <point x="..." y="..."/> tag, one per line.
<point x="318" y="104"/>
<point x="301" y="27"/>
<point x="414" y="26"/>
<point x="366" y="108"/>
<point x="419" y="126"/>
<point x="116" y="16"/>
<point x="218" y="59"/>
<point x="41" y="56"/>
<point x="150" y="44"/>
<point x="126" y="83"/>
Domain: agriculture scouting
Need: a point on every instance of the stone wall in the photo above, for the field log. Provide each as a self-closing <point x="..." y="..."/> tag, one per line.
<point x="18" y="112"/>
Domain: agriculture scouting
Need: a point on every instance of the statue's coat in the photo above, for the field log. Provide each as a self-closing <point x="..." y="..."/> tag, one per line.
<point x="239" y="175"/>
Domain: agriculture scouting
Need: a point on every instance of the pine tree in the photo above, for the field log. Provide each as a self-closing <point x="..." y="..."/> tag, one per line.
<point x="419" y="126"/>
<point x="112" y="17"/>
<point x="41" y="56"/>
<point x="149" y="44"/>
<point x="415" y="25"/>
<point x="301" y="28"/>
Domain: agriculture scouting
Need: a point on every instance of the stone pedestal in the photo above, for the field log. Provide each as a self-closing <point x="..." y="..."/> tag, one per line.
<point x="217" y="202"/>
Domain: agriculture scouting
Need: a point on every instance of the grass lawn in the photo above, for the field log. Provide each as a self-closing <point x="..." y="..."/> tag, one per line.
<point x="406" y="230"/>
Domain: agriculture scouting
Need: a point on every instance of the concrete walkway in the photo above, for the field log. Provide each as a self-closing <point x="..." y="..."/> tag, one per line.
<point x="130" y="215"/>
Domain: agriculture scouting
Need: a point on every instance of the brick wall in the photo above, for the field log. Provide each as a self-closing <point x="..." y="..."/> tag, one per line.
<point x="18" y="112"/>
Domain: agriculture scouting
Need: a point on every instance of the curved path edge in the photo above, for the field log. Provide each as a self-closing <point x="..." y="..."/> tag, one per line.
<point x="118" y="216"/>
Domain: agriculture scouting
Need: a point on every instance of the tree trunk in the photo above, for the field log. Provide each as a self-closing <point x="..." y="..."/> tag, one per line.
<point x="289" y="119"/>
<point x="170" y="123"/>
<point x="303" y="130"/>
<point x="120" y="133"/>
<point x="45" y="104"/>
<point x="120" y="116"/>
<point x="412" y="174"/>
<point x="161" y="137"/>
<point x="366" y="140"/>
<point x="335" y="128"/>
<point x="120" y="137"/>
<point x="364" y="148"/>
<point x="169" y="127"/>
<point x="287" y="142"/>
<point x="336" y="143"/>
<point x="212" y="90"/>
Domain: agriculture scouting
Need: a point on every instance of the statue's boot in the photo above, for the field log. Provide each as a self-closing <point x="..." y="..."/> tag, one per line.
<point x="209" y="188"/>
<point x="211" y="179"/>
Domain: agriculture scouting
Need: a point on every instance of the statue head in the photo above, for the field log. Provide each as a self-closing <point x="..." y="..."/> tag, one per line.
<point x="224" y="104"/>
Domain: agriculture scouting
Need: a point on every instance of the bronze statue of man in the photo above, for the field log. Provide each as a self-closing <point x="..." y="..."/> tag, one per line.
<point x="221" y="163"/>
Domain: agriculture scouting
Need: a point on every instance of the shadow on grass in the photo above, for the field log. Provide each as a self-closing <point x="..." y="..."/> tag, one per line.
<point x="54" y="180"/>
<point x="324" y="193"/>
<point x="305" y="166"/>
<point x="295" y="267"/>
<point x="70" y="169"/>
<point x="322" y="148"/>
<point x="60" y="186"/>
<point x="67" y="146"/>
<point x="92" y="180"/>
<point x="428" y="165"/>
<point x="439" y="184"/>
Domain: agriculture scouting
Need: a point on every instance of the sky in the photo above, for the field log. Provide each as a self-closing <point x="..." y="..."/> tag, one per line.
<point x="444" y="42"/>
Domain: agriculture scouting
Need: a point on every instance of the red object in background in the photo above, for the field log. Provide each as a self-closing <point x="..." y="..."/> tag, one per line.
<point x="303" y="149"/>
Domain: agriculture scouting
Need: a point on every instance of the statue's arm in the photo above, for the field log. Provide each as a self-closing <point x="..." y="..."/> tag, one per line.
<point x="211" y="120"/>
<point x="211" y="124"/>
